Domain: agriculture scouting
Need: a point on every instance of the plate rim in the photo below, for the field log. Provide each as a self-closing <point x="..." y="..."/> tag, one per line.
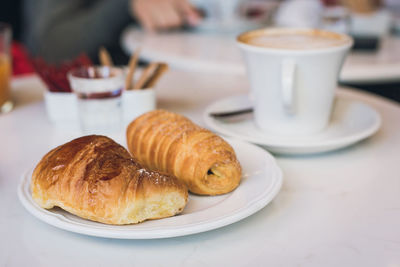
<point x="318" y="146"/>
<point x="60" y="221"/>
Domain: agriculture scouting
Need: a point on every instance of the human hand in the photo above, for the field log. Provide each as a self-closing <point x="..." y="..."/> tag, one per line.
<point x="164" y="14"/>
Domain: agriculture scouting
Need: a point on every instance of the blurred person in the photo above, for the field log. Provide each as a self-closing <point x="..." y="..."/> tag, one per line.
<point x="164" y="14"/>
<point x="59" y="30"/>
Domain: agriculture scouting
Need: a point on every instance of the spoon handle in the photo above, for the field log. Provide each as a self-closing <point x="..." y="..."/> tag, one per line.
<point x="224" y="114"/>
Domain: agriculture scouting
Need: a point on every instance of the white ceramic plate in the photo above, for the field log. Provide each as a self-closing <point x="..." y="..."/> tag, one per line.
<point x="351" y="122"/>
<point x="261" y="181"/>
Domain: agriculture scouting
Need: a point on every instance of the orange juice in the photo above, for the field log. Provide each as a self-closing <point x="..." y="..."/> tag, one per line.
<point x="5" y="74"/>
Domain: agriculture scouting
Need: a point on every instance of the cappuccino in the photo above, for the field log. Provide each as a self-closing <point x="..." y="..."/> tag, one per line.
<point x="293" y="77"/>
<point x="294" y="39"/>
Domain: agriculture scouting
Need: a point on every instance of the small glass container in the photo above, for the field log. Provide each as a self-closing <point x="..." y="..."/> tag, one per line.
<point x="98" y="90"/>
<point x="6" y="103"/>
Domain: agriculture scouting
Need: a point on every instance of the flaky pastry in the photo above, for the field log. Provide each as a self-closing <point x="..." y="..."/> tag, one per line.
<point x="168" y="142"/>
<point x="95" y="178"/>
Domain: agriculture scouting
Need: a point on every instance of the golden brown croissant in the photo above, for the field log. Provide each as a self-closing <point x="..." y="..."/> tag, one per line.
<point x="97" y="179"/>
<point x="168" y="142"/>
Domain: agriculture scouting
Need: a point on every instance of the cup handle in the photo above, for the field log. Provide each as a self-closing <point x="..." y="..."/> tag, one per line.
<point x="287" y="78"/>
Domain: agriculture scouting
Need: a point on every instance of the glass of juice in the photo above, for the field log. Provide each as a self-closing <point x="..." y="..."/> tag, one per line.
<point x="98" y="90"/>
<point x="5" y="68"/>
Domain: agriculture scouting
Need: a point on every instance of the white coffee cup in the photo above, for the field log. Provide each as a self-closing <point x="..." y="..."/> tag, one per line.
<point x="293" y="75"/>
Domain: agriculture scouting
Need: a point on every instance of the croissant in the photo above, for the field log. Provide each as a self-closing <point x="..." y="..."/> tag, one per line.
<point x="95" y="178"/>
<point x="168" y="142"/>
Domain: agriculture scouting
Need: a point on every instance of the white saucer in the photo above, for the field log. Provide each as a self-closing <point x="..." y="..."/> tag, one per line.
<point x="261" y="182"/>
<point x="351" y="122"/>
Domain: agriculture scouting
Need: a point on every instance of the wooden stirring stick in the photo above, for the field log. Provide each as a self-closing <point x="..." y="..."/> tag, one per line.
<point x="162" y="68"/>
<point x="146" y="75"/>
<point x="131" y="69"/>
<point x="104" y="57"/>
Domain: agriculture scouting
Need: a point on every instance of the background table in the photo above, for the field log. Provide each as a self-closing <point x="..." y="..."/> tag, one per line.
<point x="336" y="209"/>
<point x="217" y="53"/>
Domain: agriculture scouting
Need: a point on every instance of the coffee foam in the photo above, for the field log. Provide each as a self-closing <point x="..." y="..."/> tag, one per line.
<point x="293" y="39"/>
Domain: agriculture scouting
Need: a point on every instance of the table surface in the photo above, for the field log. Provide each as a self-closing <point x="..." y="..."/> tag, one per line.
<point x="335" y="209"/>
<point x="218" y="53"/>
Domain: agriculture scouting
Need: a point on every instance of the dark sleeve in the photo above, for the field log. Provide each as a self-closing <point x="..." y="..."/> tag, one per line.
<point x="62" y="29"/>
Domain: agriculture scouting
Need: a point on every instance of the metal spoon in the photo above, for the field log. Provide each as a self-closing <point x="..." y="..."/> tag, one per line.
<point x="225" y="114"/>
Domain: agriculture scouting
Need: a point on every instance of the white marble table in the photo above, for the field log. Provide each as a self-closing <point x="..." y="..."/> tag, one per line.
<point x="336" y="209"/>
<point x="217" y="53"/>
